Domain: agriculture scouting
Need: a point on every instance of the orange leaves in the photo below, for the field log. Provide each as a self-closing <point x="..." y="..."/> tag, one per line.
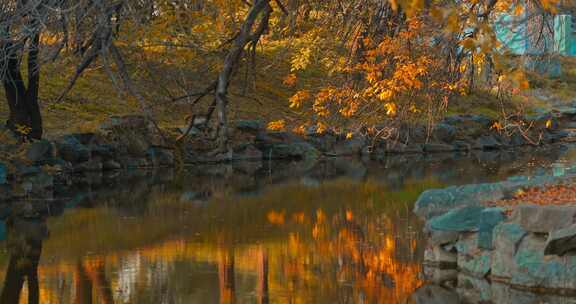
<point x="551" y="195"/>
<point x="278" y="125"/>
<point x="298" y="99"/>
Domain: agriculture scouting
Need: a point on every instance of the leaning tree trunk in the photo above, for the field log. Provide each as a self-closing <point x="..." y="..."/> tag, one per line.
<point x="246" y="36"/>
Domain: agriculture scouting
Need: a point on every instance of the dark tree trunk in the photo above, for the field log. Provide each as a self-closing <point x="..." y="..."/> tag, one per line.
<point x="24" y="118"/>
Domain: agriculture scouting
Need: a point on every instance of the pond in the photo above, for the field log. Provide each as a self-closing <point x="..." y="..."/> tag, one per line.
<point x="338" y="231"/>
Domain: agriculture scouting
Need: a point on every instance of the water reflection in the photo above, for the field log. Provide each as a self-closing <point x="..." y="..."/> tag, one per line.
<point x="339" y="232"/>
<point x="24" y="244"/>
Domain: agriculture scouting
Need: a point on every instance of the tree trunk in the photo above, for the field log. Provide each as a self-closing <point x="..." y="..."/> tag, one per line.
<point x="245" y="36"/>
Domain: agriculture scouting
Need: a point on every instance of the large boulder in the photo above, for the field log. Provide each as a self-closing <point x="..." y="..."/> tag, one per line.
<point x="458" y="220"/>
<point x="435" y="202"/>
<point x="134" y="131"/>
<point x="543" y="219"/>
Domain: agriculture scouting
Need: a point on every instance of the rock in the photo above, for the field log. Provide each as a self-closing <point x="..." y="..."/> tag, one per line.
<point x="39" y="151"/>
<point x="439" y="257"/>
<point x="489" y="218"/>
<point x="324" y="142"/>
<point x="160" y="156"/>
<point x="105" y="151"/>
<point x="292" y="151"/>
<point x="247" y="152"/>
<point x="458" y="220"/>
<point x="437" y="147"/>
<point x="37" y="183"/>
<point x="94" y="165"/>
<point x="351" y="146"/>
<point x="543" y="219"/>
<point x="487" y="142"/>
<point x="134" y="131"/>
<point x="438" y="237"/>
<point x="552" y="136"/>
<point x="517" y="139"/>
<point x="532" y="269"/>
<point x="110" y="165"/>
<point x="435" y="294"/>
<point x="435" y="202"/>
<point x="251" y="126"/>
<point x="507" y="237"/>
<point x="3" y="174"/>
<point x="72" y="150"/>
<point x="397" y="147"/>
<point x="472" y="259"/>
<point x="460" y="145"/>
<point x="444" y="132"/>
<point x="561" y="242"/>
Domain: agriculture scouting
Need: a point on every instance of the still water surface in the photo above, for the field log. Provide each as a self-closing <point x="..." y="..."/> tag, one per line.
<point x="336" y="232"/>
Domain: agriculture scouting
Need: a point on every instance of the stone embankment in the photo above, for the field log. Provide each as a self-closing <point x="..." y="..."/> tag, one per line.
<point x="525" y="246"/>
<point x="129" y="142"/>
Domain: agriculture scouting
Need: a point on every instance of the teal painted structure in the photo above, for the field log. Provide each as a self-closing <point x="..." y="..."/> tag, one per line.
<point x="514" y="32"/>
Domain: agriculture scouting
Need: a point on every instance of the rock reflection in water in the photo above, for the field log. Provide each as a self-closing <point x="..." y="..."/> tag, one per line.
<point x="339" y="231"/>
<point x="451" y="287"/>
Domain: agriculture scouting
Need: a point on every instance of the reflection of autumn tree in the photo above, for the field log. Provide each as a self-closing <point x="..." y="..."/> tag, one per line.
<point x="25" y="246"/>
<point x="90" y="275"/>
<point x="226" y="276"/>
<point x="362" y="251"/>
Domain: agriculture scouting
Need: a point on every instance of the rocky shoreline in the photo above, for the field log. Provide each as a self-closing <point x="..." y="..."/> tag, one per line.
<point x="526" y="246"/>
<point x="131" y="142"/>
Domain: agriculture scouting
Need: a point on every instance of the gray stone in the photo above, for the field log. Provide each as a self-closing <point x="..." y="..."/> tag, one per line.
<point x="299" y="150"/>
<point x="507" y="237"/>
<point x="444" y="132"/>
<point x="39" y="151"/>
<point x="438" y="147"/>
<point x="532" y="269"/>
<point x="89" y="166"/>
<point x="561" y="242"/>
<point x="487" y="142"/>
<point x="438" y="237"/>
<point x="440" y="257"/>
<point x="351" y="146"/>
<point x="543" y="219"/>
<point x="397" y="147"/>
<point x="160" y="156"/>
<point x="459" y="220"/>
<point x="110" y="165"/>
<point x="247" y="152"/>
<point x="435" y="294"/>
<point x="489" y="218"/>
<point x="72" y="150"/>
<point x="471" y="259"/>
<point x="252" y="126"/>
